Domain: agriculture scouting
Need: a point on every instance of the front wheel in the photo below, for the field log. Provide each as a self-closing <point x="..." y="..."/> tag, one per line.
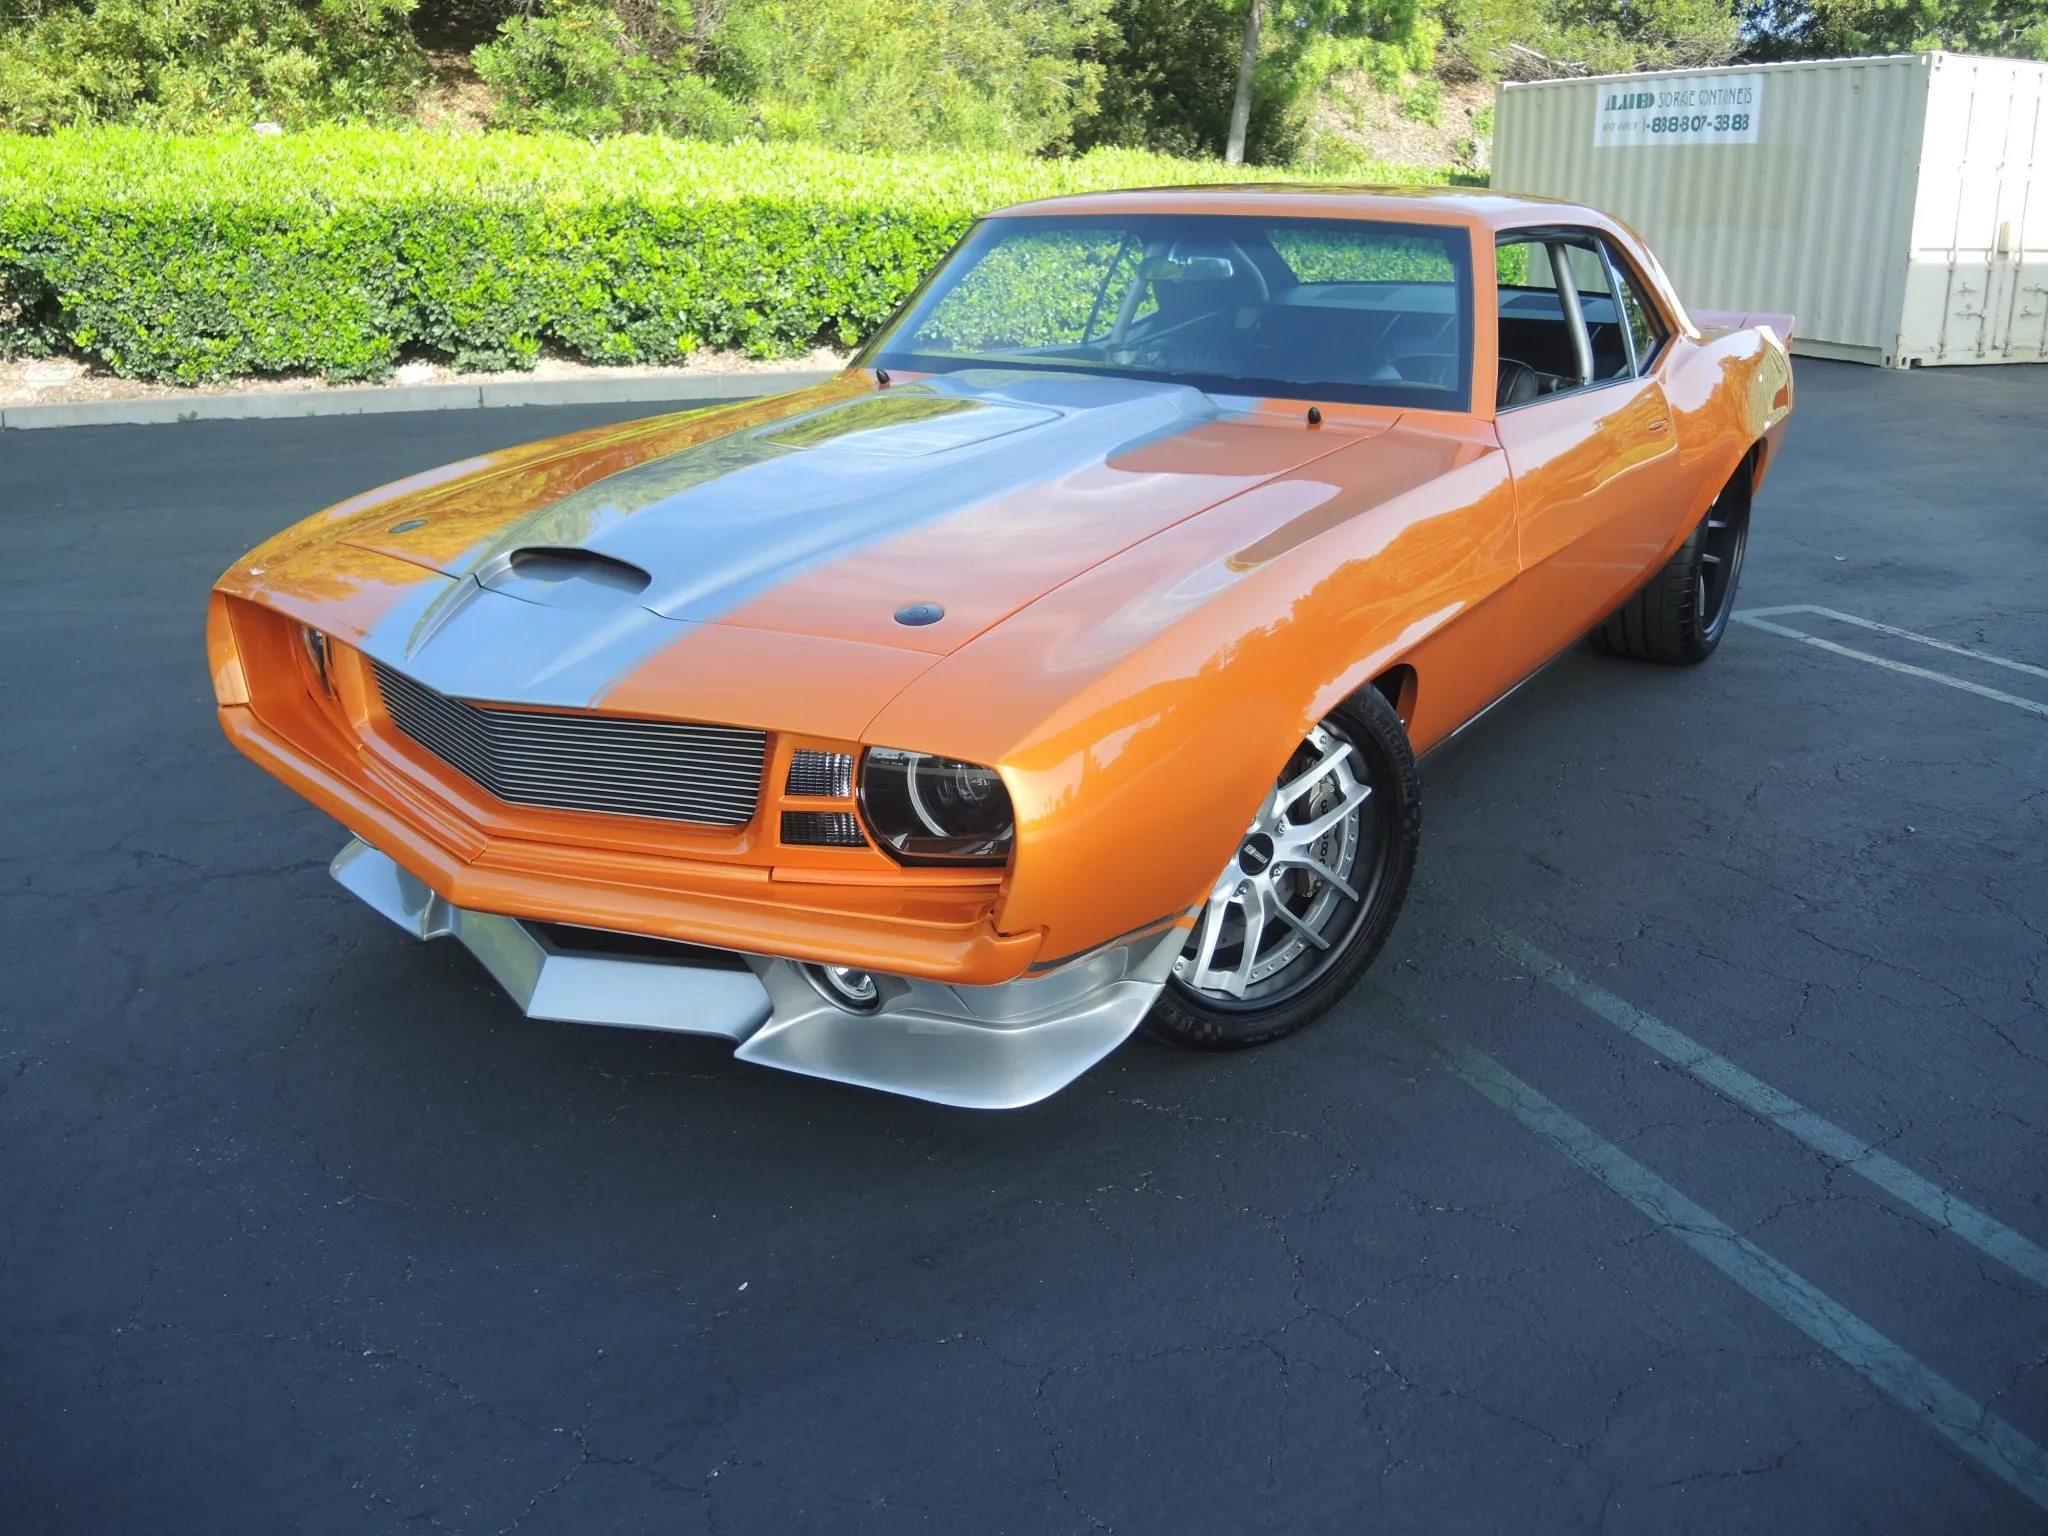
<point x="1681" y="615"/>
<point x="1309" y="894"/>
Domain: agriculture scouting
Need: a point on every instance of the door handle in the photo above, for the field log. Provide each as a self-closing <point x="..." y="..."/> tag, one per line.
<point x="1657" y="426"/>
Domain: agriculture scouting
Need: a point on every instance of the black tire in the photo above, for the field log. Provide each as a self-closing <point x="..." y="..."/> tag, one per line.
<point x="1681" y="615"/>
<point x="1377" y="868"/>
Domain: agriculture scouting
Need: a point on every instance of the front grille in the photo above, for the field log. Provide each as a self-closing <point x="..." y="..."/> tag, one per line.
<point x="604" y="763"/>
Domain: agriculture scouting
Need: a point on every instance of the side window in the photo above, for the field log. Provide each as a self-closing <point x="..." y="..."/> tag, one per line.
<point x="1644" y="323"/>
<point x="1546" y="345"/>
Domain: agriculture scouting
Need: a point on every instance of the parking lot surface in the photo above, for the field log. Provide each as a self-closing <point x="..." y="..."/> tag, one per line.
<point x="1679" y="1168"/>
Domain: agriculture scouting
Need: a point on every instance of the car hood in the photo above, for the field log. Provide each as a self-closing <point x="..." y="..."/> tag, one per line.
<point x="869" y="536"/>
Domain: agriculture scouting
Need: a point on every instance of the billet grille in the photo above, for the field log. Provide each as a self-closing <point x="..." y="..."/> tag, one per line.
<point x="825" y="774"/>
<point x="571" y="762"/>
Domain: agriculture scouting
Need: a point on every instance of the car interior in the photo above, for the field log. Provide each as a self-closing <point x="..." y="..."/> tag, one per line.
<point x="1538" y="350"/>
<point x="1213" y="309"/>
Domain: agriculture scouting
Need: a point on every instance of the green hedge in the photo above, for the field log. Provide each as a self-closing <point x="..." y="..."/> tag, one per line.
<point x="343" y="250"/>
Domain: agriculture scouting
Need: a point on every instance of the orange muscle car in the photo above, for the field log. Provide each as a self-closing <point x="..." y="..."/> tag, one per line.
<point x="1056" y="669"/>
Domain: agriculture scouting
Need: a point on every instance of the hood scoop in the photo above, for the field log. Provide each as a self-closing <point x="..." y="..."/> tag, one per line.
<point x="557" y="577"/>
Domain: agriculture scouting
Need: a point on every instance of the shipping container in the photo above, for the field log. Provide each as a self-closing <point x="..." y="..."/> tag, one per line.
<point x="1897" y="206"/>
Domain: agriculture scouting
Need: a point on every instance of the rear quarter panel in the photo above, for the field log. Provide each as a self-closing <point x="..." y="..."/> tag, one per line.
<point x="1729" y="392"/>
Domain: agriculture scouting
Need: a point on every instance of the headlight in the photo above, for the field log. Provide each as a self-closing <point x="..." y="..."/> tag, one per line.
<point x="928" y="809"/>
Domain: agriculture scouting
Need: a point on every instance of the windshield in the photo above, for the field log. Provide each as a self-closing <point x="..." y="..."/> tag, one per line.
<point x="1312" y="309"/>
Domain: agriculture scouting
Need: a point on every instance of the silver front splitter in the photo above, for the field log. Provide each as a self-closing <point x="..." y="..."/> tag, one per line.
<point x="979" y="1047"/>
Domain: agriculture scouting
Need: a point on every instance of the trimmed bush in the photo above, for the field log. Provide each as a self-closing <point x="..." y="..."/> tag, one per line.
<point x="341" y="250"/>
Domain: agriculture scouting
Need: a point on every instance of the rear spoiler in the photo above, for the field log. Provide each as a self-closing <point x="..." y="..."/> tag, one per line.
<point x="1722" y="320"/>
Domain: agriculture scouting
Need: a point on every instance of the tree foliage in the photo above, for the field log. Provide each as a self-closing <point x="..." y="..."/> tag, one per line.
<point x="905" y="74"/>
<point x="574" y="66"/>
<point x="1040" y="76"/>
<point x="1791" y="29"/>
<point x="1536" y="37"/>
<point x="1168" y="69"/>
<point x="189" y="64"/>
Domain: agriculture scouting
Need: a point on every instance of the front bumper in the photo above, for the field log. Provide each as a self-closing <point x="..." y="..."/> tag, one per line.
<point x="980" y="1047"/>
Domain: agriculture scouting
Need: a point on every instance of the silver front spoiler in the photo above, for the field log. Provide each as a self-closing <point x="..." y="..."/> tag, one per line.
<point x="978" y="1047"/>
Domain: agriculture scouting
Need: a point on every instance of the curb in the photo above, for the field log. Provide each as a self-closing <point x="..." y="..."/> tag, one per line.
<point x="263" y="406"/>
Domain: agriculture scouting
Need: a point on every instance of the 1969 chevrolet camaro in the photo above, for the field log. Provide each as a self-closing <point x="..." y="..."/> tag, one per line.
<point x="1056" y="669"/>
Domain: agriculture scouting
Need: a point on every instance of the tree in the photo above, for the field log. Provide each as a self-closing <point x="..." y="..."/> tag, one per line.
<point x="1168" y="68"/>
<point x="1241" y="103"/>
<point x="1296" y="27"/>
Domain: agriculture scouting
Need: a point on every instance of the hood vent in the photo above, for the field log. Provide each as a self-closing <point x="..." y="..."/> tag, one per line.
<point x="564" y="577"/>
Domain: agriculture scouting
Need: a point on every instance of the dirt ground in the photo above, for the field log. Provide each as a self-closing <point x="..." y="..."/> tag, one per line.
<point x="1370" y="124"/>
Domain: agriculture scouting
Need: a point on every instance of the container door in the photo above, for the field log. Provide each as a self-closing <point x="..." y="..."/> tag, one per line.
<point x="2024" y="221"/>
<point x="1982" y="195"/>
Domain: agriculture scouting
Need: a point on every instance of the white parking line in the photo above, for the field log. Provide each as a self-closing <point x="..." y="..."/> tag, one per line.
<point x="1762" y="618"/>
<point x="1973" y="1428"/>
<point x="1980" y="1230"/>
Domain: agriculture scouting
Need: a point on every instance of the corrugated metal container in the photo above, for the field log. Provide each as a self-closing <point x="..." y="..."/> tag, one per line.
<point x="1897" y="206"/>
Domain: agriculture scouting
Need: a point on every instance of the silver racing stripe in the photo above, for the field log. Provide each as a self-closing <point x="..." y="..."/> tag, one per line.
<point x="720" y="524"/>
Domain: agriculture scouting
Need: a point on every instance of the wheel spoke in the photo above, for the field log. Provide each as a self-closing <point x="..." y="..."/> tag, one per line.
<point x="1281" y="911"/>
<point x="1212" y="929"/>
<point x="1254" y="931"/>
<point x="1319" y="869"/>
<point x="1355" y="795"/>
<point x="1295" y="788"/>
<point x="1710" y="559"/>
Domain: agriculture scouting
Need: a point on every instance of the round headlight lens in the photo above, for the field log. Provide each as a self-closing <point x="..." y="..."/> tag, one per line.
<point x="923" y="807"/>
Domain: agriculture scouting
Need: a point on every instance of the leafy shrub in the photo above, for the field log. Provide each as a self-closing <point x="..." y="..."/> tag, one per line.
<point x="342" y="249"/>
<point x="575" y="67"/>
<point x="900" y="75"/>
<point x="1423" y="101"/>
<point x="192" y="64"/>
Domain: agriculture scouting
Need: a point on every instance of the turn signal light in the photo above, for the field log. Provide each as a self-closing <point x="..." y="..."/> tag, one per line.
<point x="319" y="654"/>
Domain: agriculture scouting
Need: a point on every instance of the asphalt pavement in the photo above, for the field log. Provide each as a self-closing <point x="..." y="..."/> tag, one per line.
<point x="1679" y="1168"/>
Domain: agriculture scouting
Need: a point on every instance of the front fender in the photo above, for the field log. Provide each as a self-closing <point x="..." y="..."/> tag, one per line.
<point x="1139" y="713"/>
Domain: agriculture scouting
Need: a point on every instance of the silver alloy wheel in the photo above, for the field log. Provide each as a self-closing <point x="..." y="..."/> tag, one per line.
<point x="1288" y="897"/>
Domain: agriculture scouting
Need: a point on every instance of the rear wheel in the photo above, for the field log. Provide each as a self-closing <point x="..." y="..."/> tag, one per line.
<point x="1309" y="894"/>
<point x="1680" y="616"/>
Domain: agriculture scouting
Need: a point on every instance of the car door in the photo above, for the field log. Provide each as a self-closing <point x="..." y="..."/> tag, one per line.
<point x="1589" y="439"/>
